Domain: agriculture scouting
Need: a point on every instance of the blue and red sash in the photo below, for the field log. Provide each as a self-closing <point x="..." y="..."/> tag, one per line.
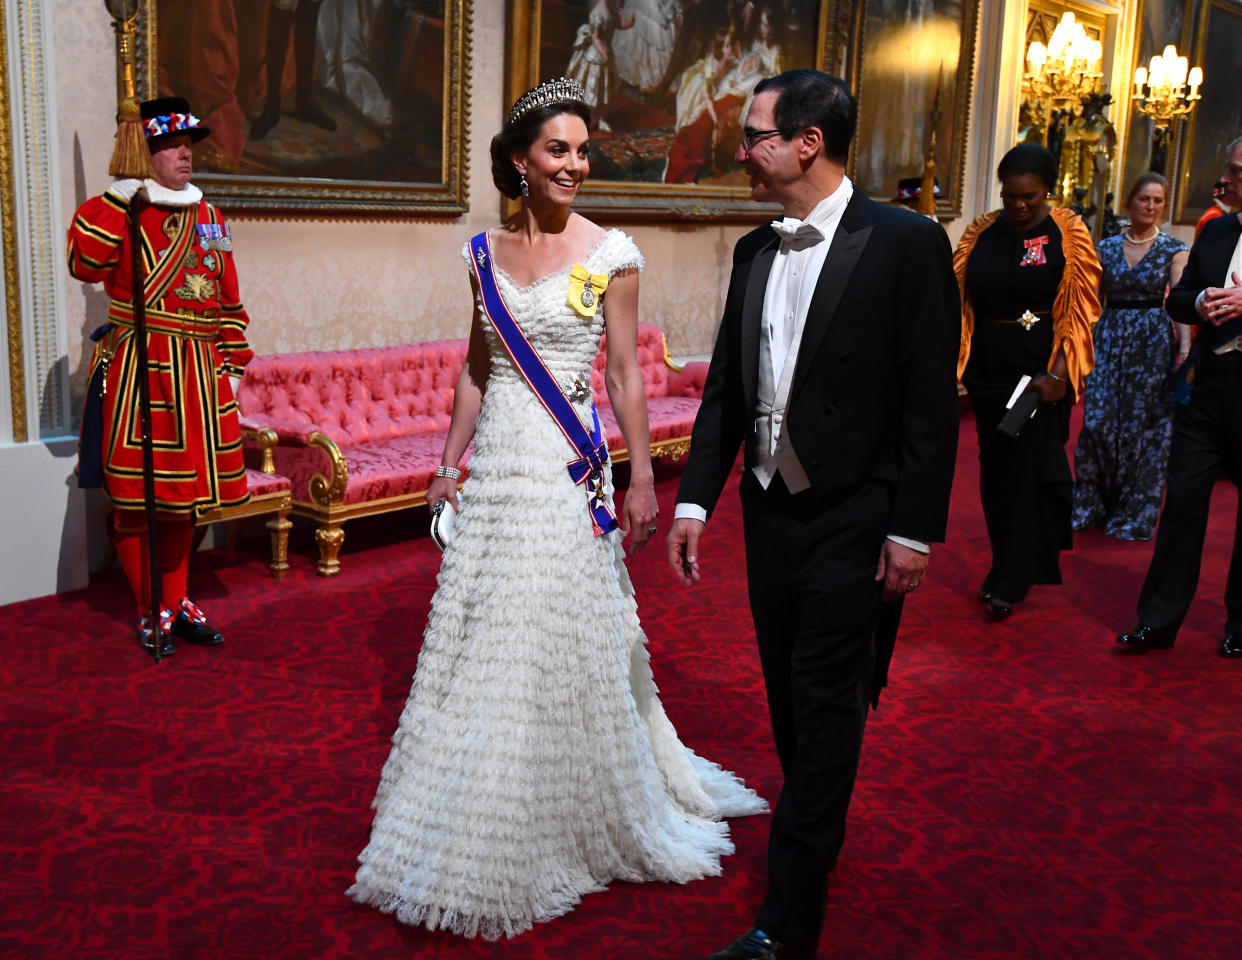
<point x="592" y="450"/>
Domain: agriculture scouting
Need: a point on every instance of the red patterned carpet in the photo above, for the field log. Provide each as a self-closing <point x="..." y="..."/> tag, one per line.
<point x="1024" y="792"/>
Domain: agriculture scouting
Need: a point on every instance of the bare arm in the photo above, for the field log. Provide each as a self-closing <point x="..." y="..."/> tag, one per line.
<point x="467" y="399"/>
<point x="1051" y="385"/>
<point x="624" y="379"/>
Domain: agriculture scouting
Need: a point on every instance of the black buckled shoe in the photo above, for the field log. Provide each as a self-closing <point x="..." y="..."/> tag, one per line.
<point x="754" y="944"/>
<point x="146" y="639"/>
<point x="192" y="627"/>
<point x="1143" y="638"/>
<point x="202" y="634"/>
<point x="1231" y="646"/>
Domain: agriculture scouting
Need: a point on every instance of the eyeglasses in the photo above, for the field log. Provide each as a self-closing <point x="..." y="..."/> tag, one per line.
<point x="751" y="137"/>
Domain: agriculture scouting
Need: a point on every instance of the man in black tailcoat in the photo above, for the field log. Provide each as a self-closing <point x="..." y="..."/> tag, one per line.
<point x="1207" y="435"/>
<point x="836" y="365"/>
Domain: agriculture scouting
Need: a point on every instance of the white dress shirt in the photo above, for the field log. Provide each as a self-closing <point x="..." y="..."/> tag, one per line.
<point x="795" y="271"/>
<point x="804" y="246"/>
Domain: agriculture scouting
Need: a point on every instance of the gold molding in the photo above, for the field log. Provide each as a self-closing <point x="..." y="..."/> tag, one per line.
<point x="329" y="490"/>
<point x="12" y="279"/>
<point x="295" y="195"/>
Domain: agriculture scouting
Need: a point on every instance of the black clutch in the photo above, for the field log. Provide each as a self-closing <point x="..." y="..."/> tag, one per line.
<point x="1022" y="407"/>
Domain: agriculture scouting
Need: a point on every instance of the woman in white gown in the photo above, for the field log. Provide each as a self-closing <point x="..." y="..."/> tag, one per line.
<point x="533" y="762"/>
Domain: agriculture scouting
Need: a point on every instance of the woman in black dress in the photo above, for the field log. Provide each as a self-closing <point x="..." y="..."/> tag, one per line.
<point x="1029" y="279"/>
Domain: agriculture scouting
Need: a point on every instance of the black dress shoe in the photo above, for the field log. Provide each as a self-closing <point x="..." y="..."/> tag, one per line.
<point x="167" y="649"/>
<point x="1143" y="638"/>
<point x="1231" y="646"/>
<point x="262" y="125"/>
<point x="998" y="609"/>
<point x="202" y="634"/>
<point x="754" y="944"/>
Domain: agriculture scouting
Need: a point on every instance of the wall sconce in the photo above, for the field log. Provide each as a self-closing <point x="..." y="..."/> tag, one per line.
<point x="1166" y="98"/>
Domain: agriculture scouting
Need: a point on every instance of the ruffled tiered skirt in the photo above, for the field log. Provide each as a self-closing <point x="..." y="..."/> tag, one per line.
<point x="533" y="762"/>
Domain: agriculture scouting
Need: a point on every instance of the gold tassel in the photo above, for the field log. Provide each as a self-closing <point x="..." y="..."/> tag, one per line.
<point x="927" y="190"/>
<point x="130" y="157"/>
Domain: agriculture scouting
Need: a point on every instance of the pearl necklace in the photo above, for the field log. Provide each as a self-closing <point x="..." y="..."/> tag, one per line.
<point x="1129" y="236"/>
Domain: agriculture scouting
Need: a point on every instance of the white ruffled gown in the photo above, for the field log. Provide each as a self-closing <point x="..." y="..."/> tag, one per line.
<point x="533" y="761"/>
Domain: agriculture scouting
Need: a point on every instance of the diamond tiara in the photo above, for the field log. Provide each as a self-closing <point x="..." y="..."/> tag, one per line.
<point x="550" y="91"/>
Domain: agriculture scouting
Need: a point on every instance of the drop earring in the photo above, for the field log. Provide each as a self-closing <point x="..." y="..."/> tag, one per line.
<point x="525" y="187"/>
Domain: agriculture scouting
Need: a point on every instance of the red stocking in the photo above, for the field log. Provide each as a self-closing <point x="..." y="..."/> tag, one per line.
<point x="129" y="533"/>
<point x="176" y="543"/>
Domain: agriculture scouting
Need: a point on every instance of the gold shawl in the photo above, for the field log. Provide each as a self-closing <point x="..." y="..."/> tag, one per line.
<point x="1077" y="305"/>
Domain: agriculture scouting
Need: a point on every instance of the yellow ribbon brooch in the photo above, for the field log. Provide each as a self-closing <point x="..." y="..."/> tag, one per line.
<point x="585" y="289"/>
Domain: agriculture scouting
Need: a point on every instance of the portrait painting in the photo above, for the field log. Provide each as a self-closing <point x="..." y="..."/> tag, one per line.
<point x="1217" y="119"/>
<point x="916" y="75"/>
<point x="321" y="104"/>
<point x="668" y="82"/>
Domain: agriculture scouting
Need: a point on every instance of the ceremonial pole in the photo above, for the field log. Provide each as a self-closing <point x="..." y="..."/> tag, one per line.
<point x="131" y="159"/>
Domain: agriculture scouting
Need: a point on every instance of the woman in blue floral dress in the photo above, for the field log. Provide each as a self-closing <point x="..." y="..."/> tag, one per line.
<point x="1123" y="449"/>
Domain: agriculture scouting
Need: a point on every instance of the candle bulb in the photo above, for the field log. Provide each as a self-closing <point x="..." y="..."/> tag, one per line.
<point x="1140" y="80"/>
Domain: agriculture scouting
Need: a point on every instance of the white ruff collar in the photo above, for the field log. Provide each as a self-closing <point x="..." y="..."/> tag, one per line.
<point x="187" y="196"/>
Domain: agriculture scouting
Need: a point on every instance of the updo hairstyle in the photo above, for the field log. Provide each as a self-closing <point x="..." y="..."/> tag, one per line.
<point x="519" y="135"/>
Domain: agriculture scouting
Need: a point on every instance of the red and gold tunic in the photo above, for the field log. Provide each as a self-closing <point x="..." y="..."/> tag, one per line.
<point x="196" y="341"/>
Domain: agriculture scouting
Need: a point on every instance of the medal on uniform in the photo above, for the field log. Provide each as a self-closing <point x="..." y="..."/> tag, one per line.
<point x="585" y="290"/>
<point x="215" y="236"/>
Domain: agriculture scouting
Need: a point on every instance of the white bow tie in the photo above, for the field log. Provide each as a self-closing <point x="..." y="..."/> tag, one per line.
<point x="790" y="230"/>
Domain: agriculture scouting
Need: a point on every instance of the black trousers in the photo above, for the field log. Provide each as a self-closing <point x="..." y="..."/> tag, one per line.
<point x="811" y="575"/>
<point x="1207" y="441"/>
<point x="1027" y="492"/>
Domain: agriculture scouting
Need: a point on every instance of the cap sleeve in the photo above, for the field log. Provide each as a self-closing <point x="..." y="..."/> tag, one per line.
<point x="619" y="253"/>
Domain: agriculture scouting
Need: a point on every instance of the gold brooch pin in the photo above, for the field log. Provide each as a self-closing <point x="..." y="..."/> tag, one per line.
<point x="1028" y="320"/>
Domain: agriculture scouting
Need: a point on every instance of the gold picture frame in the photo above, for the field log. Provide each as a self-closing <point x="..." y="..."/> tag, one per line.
<point x="536" y="37"/>
<point x="372" y="161"/>
<point x="905" y="76"/>
<point x="1217" y="119"/>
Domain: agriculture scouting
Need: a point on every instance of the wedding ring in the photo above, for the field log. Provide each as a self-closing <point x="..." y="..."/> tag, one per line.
<point x="652" y="529"/>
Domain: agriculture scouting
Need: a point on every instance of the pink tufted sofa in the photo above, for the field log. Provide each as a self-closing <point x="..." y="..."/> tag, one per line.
<point x="360" y="432"/>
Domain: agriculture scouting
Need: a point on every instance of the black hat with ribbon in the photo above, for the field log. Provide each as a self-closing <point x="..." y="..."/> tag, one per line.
<point x="170" y="117"/>
<point x="909" y="189"/>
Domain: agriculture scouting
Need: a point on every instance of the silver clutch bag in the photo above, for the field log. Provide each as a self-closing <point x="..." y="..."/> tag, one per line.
<point x="443" y="517"/>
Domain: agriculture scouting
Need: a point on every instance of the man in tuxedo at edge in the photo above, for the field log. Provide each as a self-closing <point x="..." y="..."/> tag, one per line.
<point x="836" y="363"/>
<point x="1207" y="435"/>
